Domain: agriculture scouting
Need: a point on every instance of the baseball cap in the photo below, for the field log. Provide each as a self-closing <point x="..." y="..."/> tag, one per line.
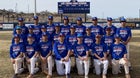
<point x="18" y="28"/>
<point x="29" y="36"/>
<point x="20" y="19"/>
<point x="43" y="26"/>
<point x="109" y="19"/>
<point x="61" y="34"/>
<point x="31" y="27"/>
<point x="108" y="29"/>
<point x="116" y="36"/>
<point x="50" y="17"/>
<point x="122" y="19"/>
<point x="79" y="35"/>
<point x="94" y="19"/>
<point x="88" y="28"/>
<point x="16" y="36"/>
<point x="72" y="26"/>
<point x="44" y="34"/>
<point x="79" y="19"/>
<point x="57" y="24"/>
<point x="66" y="18"/>
<point x="35" y="17"/>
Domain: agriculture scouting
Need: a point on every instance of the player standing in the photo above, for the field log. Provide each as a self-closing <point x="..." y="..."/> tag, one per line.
<point x="66" y="27"/>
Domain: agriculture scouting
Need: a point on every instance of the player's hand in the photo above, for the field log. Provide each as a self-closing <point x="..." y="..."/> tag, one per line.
<point x="81" y="58"/>
<point x="101" y="59"/>
<point x="66" y="59"/>
<point x="62" y="59"/>
<point x="125" y="59"/>
<point x="86" y="58"/>
<point x="104" y="58"/>
<point x="13" y="61"/>
<point x="28" y="61"/>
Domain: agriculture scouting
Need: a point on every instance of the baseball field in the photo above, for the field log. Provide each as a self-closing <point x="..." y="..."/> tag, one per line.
<point x="6" y="69"/>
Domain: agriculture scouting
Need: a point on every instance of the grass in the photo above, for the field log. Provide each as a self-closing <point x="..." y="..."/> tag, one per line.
<point x="6" y="69"/>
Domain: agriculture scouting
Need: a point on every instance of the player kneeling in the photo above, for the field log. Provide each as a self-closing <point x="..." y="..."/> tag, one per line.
<point x="119" y="56"/>
<point x="16" y="54"/>
<point x="82" y="61"/>
<point x="100" y="56"/>
<point x="62" y="54"/>
<point x="31" y="54"/>
<point x="45" y="54"/>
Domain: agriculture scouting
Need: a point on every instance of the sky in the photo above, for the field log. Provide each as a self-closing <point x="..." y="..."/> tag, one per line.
<point x="99" y="8"/>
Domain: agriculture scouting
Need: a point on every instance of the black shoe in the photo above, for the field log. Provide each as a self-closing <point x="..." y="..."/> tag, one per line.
<point x="15" y="76"/>
<point x="130" y="68"/>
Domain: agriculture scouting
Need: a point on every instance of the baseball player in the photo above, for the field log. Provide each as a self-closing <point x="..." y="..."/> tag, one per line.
<point x="66" y="27"/>
<point x="99" y="53"/>
<point x="125" y="34"/>
<point x="16" y="55"/>
<point x="37" y="28"/>
<point x="30" y="29"/>
<point x="62" y="53"/>
<point x="23" y="38"/>
<point x="81" y="53"/>
<point x="23" y="27"/>
<point x="79" y="27"/>
<point x="109" y="24"/>
<point x="45" y="53"/>
<point x="96" y="29"/>
<point x="56" y="33"/>
<point x="50" y="26"/>
<point x="119" y="56"/>
<point x="31" y="54"/>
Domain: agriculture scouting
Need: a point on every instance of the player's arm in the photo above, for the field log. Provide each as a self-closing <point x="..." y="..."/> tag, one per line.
<point x="56" y="51"/>
<point x="97" y="56"/>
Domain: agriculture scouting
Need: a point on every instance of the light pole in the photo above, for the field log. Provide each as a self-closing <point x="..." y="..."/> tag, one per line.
<point x="34" y="7"/>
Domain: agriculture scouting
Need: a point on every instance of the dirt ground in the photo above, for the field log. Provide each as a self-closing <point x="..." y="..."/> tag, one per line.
<point x="6" y="69"/>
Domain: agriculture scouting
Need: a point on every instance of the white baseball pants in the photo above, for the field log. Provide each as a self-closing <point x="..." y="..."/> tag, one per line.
<point x="116" y="63"/>
<point x="82" y="67"/>
<point x="60" y="67"/>
<point x="98" y="63"/>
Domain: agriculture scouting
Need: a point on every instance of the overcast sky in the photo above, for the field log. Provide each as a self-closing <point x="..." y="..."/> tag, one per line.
<point x="99" y="8"/>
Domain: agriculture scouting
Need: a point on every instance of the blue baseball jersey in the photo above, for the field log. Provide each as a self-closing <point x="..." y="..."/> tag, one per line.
<point x="89" y="40"/>
<point x="80" y="29"/>
<point x="50" y="29"/>
<point x="55" y="37"/>
<point x="99" y="49"/>
<point x="117" y="51"/>
<point x="30" y="49"/>
<point x="108" y="40"/>
<point x="80" y="50"/>
<point x="113" y="29"/>
<point x="71" y="40"/>
<point x="45" y="48"/>
<point x="65" y="29"/>
<point x="24" y="30"/>
<point x="60" y="50"/>
<point x="124" y="33"/>
<point x="37" y="30"/>
<point x="96" y="30"/>
<point x="23" y="39"/>
<point x="16" y="49"/>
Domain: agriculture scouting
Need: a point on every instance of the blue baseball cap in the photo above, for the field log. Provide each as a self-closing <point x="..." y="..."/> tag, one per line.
<point x="20" y="19"/>
<point x="16" y="36"/>
<point x="31" y="27"/>
<point x="50" y="17"/>
<point x="117" y="36"/>
<point x="108" y="29"/>
<point x="43" y="26"/>
<point x="30" y="36"/>
<point x="72" y="26"/>
<point x="109" y="19"/>
<point x="57" y="24"/>
<point x="79" y="19"/>
<point x="79" y="35"/>
<point x="94" y="19"/>
<point x="44" y="34"/>
<point x="35" y="17"/>
<point x="66" y="18"/>
<point x="18" y="27"/>
<point x="88" y="28"/>
<point x="122" y="19"/>
<point x="61" y="34"/>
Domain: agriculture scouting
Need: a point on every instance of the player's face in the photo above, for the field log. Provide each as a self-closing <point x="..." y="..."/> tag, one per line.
<point x="108" y="32"/>
<point x="95" y="22"/>
<point x="17" y="39"/>
<point x="72" y="30"/>
<point x="57" y="28"/>
<point x="20" y="23"/>
<point x="98" y="39"/>
<point x="43" y="29"/>
<point x="36" y="21"/>
<point x="66" y="22"/>
<point x="79" y="39"/>
<point x="50" y="21"/>
<point x="30" y="39"/>
<point x="109" y="22"/>
<point x="88" y="31"/>
<point x="30" y="30"/>
<point x="44" y="38"/>
<point x="79" y="22"/>
<point x="18" y="31"/>
<point x="123" y="23"/>
<point x="61" y="38"/>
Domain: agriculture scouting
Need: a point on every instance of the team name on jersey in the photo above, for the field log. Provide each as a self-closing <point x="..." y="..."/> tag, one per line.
<point x="108" y="41"/>
<point x="123" y="32"/>
<point x="80" y="49"/>
<point x="50" y="30"/>
<point x="16" y="48"/>
<point x="72" y="39"/>
<point x="44" y="47"/>
<point x="36" y="30"/>
<point x="61" y="48"/>
<point x="79" y="30"/>
<point x="65" y="30"/>
<point x="95" y="30"/>
<point x="56" y="37"/>
<point x="117" y="50"/>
